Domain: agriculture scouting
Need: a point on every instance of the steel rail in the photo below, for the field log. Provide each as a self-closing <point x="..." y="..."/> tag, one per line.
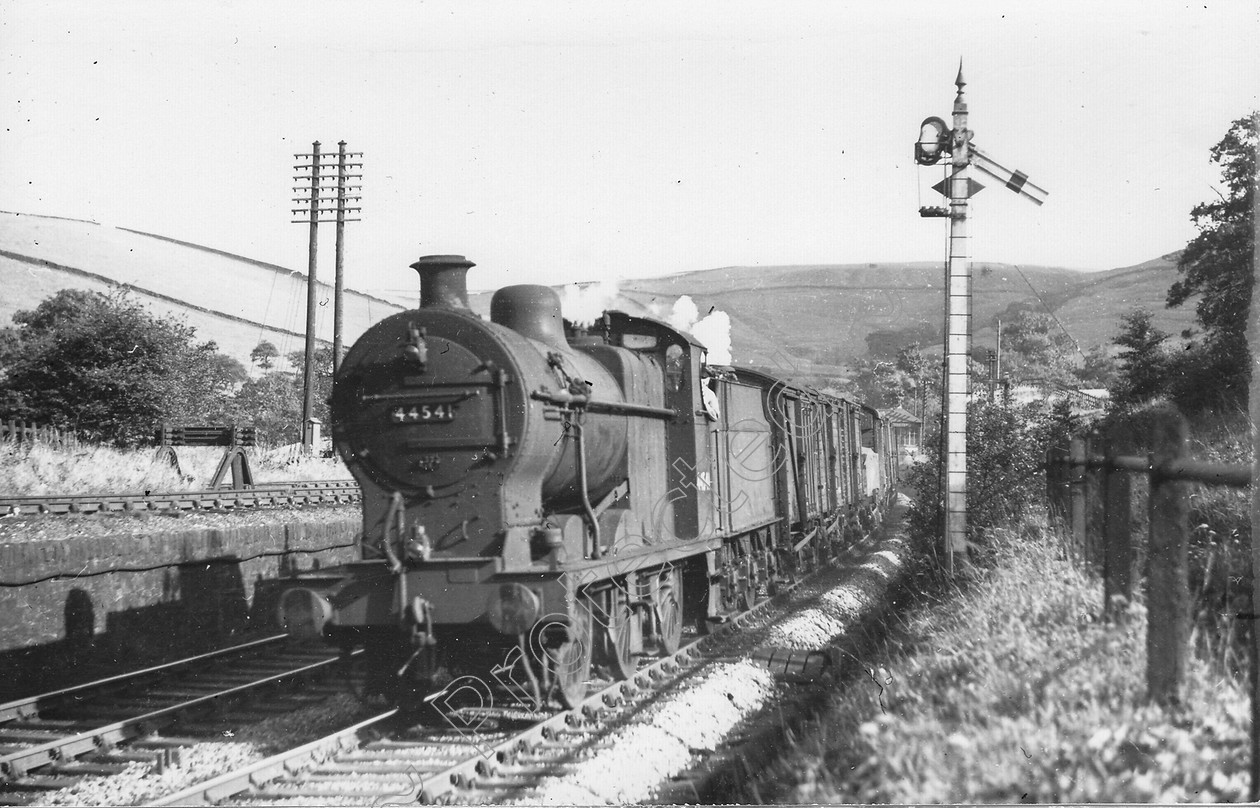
<point x="490" y="765"/>
<point x="30" y="707"/>
<point x="19" y="763"/>
<point x="225" y="785"/>
<point x="309" y="492"/>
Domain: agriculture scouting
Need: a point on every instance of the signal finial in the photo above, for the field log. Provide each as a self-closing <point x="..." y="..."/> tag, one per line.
<point x="960" y="106"/>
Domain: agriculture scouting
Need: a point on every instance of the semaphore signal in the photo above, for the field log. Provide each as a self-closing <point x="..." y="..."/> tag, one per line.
<point x="937" y="141"/>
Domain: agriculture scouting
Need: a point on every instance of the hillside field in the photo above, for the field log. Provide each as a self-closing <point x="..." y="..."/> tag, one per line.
<point x="801" y="321"/>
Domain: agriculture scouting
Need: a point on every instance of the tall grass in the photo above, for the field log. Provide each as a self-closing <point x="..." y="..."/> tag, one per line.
<point x="1220" y="543"/>
<point x="1017" y="690"/>
<point x="36" y="469"/>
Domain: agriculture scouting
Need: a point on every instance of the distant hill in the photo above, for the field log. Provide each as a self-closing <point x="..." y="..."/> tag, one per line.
<point x="815" y="319"/>
<point x="808" y="321"/>
<point x="1092" y="312"/>
<point x="233" y="300"/>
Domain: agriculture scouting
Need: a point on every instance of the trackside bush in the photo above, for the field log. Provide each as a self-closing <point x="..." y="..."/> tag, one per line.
<point x="1006" y="449"/>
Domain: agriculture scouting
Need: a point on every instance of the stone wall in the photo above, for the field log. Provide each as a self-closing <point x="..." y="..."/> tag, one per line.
<point x="92" y="601"/>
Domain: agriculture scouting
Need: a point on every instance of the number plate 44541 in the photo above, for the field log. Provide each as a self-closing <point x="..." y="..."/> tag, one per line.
<point x="422" y="413"/>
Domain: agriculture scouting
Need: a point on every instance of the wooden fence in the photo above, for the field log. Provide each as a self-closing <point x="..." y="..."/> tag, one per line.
<point x="1093" y="477"/>
<point x="24" y="432"/>
<point x="1094" y="474"/>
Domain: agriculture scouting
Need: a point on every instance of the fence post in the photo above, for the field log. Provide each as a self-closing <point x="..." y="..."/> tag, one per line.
<point x="1167" y="587"/>
<point x="1117" y="515"/>
<point x="1093" y="504"/>
<point x="1077" y="479"/>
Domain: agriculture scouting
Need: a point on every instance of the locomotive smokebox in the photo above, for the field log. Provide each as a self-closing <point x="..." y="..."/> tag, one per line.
<point x="443" y="281"/>
<point x="530" y="310"/>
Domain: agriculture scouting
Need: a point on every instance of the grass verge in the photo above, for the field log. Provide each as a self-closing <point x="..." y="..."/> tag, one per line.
<point x="39" y="469"/>
<point x="1014" y="689"/>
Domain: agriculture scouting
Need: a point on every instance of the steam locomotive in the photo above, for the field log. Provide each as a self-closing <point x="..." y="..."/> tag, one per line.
<point x="568" y="498"/>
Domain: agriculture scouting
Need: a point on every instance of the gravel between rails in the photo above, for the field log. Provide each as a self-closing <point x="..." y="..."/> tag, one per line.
<point x="140" y="784"/>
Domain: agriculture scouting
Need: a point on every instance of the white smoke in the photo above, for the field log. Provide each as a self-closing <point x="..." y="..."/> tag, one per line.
<point x="715" y="332"/>
<point x="714" y="329"/>
<point x="583" y="305"/>
<point x="684" y="314"/>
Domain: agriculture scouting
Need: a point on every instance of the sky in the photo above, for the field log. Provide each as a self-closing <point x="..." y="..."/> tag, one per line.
<point x="562" y="142"/>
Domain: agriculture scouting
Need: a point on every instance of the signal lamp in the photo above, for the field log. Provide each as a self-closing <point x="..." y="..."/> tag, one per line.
<point x="933" y="143"/>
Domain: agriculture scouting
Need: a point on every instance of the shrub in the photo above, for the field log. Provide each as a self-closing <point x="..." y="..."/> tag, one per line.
<point x="1006" y="448"/>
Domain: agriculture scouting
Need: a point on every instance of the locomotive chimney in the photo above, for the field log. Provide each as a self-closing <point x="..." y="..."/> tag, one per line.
<point x="443" y="281"/>
<point x="531" y="310"/>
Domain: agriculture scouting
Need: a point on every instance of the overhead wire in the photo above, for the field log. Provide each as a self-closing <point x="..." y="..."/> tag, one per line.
<point x="262" y="326"/>
<point x="1050" y="311"/>
<point x="1075" y="345"/>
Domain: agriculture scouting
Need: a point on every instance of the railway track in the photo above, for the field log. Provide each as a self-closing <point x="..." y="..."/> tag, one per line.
<point x="269" y="495"/>
<point x="101" y="728"/>
<point x="475" y="754"/>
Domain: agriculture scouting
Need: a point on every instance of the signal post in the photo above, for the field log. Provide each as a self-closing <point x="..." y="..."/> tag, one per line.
<point x="936" y="141"/>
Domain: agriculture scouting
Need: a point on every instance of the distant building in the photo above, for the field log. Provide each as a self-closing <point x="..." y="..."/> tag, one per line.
<point x="906" y="435"/>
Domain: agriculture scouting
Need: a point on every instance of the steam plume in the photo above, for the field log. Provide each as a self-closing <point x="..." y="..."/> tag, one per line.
<point x="583" y="305"/>
<point x="714" y="329"/>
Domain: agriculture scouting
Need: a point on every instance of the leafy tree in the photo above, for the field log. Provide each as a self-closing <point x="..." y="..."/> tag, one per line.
<point x="273" y="402"/>
<point x="104" y="367"/>
<point x="923" y="379"/>
<point x="322" y="380"/>
<point x="209" y="382"/>
<point x="878" y="382"/>
<point x="1100" y="368"/>
<point x="264" y="355"/>
<point x="1034" y="347"/>
<point x="1216" y="266"/>
<point x="1143" y="359"/>
<point x="1006" y="448"/>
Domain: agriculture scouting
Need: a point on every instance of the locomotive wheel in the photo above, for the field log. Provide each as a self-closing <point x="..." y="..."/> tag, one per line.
<point x="669" y="613"/>
<point x="619" y="634"/>
<point x="569" y="657"/>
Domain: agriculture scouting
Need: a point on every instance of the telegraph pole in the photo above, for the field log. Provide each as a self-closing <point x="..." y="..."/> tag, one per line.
<point x="341" y="231"/>
<point x="315" y="203"/>
<point x="935" y="142"/>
